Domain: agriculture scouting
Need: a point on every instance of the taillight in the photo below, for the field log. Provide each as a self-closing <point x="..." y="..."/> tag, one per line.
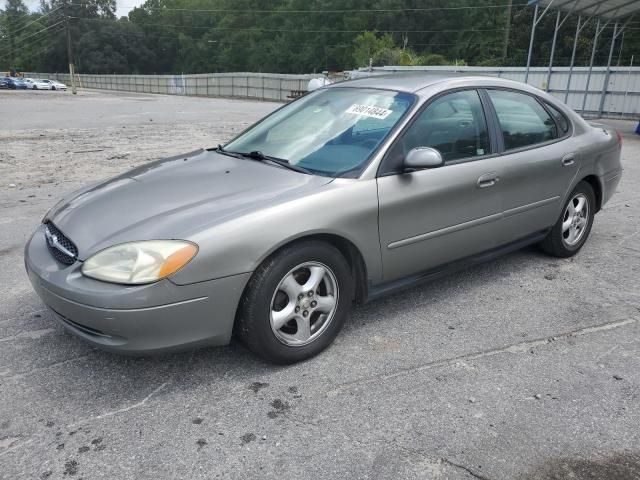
<point x="619" y="138"/>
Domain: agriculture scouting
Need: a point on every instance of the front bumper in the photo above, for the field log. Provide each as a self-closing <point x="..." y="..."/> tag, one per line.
<point x="157" y="317"/>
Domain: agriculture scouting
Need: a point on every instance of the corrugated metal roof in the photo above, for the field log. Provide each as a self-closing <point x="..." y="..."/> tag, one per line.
<point x="608" y="9"/>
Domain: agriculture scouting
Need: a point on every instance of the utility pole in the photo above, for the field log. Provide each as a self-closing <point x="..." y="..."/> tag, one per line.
<point x="505" y="47"/>
<point x="70" y="51"/>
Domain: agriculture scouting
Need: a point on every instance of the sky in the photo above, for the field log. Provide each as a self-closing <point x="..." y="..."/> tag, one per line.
<point x="123" y="7"/>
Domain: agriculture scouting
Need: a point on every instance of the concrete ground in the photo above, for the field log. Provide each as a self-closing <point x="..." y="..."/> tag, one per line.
<point x="524" y="368"/>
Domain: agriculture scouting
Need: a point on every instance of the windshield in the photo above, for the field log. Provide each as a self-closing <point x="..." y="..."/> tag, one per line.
<point x="330" y="132"/>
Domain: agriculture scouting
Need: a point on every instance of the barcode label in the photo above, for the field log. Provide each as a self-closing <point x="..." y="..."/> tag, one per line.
<point x="369" y="111"/>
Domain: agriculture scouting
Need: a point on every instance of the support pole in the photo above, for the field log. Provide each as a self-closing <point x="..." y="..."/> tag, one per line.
<point x="626" y="90"/>
<point x="607" y="75"/>
<point x="593" y="54"/>
<point x="72" y="72"/>
<point x="573" y="58"/>
<point x="533" y="33"/>
<point x="621" y="47"/>
<point x="553" y="49"/>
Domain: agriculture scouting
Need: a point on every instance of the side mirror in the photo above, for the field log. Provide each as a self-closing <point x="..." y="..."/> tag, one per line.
<point x="422" y="157"/>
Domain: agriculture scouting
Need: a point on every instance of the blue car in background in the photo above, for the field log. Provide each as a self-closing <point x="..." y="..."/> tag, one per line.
<point x="15" y="83"/>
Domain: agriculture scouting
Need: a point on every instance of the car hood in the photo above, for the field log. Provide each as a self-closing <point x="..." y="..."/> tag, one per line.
<point x="174" y="198"/>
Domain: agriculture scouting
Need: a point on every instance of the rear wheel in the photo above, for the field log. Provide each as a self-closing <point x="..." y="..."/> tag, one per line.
<point x="570" y="232"/>
<point x="296" y="302"/>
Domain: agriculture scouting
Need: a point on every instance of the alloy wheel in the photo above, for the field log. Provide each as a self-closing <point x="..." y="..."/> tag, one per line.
<point x="304" y="303"/>
<point x="575" y="220"/>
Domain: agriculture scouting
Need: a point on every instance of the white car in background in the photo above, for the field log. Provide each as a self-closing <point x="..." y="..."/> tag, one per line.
<point x="37" y="84"/>
<point x="55" y="85"/>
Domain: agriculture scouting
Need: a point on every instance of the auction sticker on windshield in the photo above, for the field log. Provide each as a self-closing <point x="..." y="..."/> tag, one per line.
<point x="369" y="111"/>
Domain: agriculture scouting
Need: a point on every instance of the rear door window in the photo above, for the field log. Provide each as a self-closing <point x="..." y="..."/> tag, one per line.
<point x="523" y="120"/>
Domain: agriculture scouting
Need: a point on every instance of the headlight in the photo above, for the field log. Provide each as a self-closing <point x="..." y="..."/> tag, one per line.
<point x="139" y="262"/>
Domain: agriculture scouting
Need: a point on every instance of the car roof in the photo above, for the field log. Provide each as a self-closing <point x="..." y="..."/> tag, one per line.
<point x="413" y="82"/>
<point x="404" y="82"/>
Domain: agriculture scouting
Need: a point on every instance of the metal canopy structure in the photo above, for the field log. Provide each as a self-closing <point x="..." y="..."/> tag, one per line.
<point x="607" y="9"/>
<point x="603" y="12"/>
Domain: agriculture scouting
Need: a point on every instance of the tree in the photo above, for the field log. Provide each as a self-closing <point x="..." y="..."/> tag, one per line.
<point x="372" y="48"/>
<point x="287" y="36"/>
<point x="14" y="18"/>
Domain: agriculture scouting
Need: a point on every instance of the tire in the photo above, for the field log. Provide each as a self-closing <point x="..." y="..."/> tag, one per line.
<point x="53" y="88"/>
<point x="560" y="242"/>
<point x="266" y="302"/>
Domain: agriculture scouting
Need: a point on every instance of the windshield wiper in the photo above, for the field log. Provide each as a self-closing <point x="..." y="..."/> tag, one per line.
<point x="221" y="150"/>
<point x="257" y="155"/>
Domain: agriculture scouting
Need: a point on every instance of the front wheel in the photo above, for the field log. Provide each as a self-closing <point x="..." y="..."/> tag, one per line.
<point x="571" y="230"/>
<point x="296" y="302"/>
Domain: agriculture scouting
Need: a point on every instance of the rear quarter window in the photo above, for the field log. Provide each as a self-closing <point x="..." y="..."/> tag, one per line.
<point x="561" y="120"/>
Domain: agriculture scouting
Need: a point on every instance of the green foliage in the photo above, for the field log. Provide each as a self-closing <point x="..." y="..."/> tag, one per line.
<point x="370" y="47"/>
<point x="288" y="36"/>
<point x="435" y="59"/>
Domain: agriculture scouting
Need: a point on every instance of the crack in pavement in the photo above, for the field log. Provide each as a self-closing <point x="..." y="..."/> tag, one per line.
<point x="438" y="460"/>
<point x="131" y="407"/>
<point x="87" y="419"/>
<point x="466" y="469"/>
<point x="515" y="348"/>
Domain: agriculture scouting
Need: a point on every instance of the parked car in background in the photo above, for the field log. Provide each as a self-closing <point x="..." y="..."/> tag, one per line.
<point x="16" y="83"/>
<point x="55" y="85"/>
<point x="355" y="190"/>
<point x="4" y="83"/>
<point x="37" y="84"/>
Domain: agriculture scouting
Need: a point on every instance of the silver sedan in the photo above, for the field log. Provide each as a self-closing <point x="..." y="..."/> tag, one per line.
<point x="353" y="191"/>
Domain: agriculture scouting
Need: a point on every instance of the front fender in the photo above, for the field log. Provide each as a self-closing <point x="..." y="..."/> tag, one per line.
<point x="345" y="208"/>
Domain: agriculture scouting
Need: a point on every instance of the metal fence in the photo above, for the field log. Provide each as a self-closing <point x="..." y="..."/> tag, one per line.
<point x="601" y="93"/>
<point x="613" y="93"/>
<point x="264" y="86"/>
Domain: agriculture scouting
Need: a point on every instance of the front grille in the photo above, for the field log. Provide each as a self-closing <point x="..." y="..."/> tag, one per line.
<point x="57" y="239"/>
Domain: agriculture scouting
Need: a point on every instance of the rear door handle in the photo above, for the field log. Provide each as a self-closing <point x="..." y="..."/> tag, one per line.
<point x="487" y="180"/>
<point x="568" y="159"/>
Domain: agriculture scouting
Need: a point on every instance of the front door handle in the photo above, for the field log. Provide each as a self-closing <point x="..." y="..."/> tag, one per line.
<point x="487" y="180"/>
<point x="568" y="159"/>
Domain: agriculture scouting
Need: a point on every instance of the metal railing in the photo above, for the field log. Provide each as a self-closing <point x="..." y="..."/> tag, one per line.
<point x="614" y="93"/>
<point x="263" y="86"/>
